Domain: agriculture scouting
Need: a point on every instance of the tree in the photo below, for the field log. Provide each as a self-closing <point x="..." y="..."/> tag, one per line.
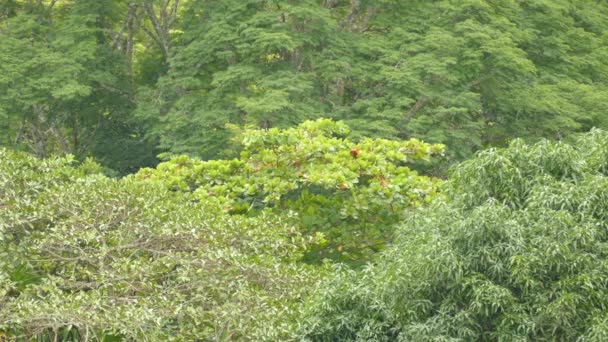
<point x="238" y="62"/>
<point x="471" y="74"/>
<point x="214" y="247"/>
<point x="467" y="74"/>
<point x="515" y="252"/>
<point x="166" y="76"/>
<point x="64" y="90"/>
<point x="85" y="257"/>
<point x="348" y="193"/>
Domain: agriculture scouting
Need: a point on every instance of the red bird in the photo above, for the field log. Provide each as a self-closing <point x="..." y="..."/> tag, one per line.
<point x="354" y="152"/>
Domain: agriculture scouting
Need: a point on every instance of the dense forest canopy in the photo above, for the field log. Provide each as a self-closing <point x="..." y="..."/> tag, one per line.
<point x="316" y="170"/>
<point x="124" y="81"/>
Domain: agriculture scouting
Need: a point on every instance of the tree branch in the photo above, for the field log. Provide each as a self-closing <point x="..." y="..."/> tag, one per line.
<point x="52" y="4"/>
<point x="173" y="13"/>
<point x="151" y="35"/>
<point x="118" y="34"/>
<point x="20" y="131"/>
<point x="160" y="33"/>
<point x="423" y="101"/>
<point x="354" y="11"/>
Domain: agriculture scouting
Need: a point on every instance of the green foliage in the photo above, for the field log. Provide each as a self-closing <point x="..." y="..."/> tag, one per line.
<point x="468" y="74"/>
<point x="211" y="249"/>
<point x="516" y="252"/>
<point x="350" y="193"/>
<point x="125" y="80"/>
<point x="63" y="89"/>
<point x="241" y="62"/>
<point x="475" y="73"/>
<point x="92" y="257"/>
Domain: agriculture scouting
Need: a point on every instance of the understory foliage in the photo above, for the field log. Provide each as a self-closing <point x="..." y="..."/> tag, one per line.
<point x="346" y="194"/>
<point x="85" y="257"/>
<point x="516" y="252"/>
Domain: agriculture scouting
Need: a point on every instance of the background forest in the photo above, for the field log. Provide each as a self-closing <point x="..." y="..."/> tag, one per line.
<point x="316" y="170"/>
<point x="127" y="81"/>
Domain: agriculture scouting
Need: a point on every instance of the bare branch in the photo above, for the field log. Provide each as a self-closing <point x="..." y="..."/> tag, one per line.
<point x="151" y="35"/>
<point x="173" y="12"/>
<point x="20" y="131"/>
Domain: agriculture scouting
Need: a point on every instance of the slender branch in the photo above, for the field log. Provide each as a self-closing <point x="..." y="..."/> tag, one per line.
<point x="173" y="13"/>
<point x="354" y="11"/>
<point x="133" y="23"/>
<point x="52" y="4"/>
<point x="118" y="34"/>
<point x="161" y="35"/>
<point x="61" y="140"/>
<point x="162" y="15"/>
<point x="151" y="35"/>
<point x="423" y="101"/>
<point x="20" y="131"/>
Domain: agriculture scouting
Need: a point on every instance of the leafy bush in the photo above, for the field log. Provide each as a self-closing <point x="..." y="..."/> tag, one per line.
<point x="516" y="252"/>
<point x="86" y="257"/>
<point x="348" y="194"/>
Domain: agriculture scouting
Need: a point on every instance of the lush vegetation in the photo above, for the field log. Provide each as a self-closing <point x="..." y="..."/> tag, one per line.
<point x="348" y="195"/>
<point x="124" y="81"/>
<point x="212" y="250"/>
<point x="303" y="170"/>
<point x="88" y="257"/>
<point x="515" y="252"/>
<point x="513" y="249"/>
